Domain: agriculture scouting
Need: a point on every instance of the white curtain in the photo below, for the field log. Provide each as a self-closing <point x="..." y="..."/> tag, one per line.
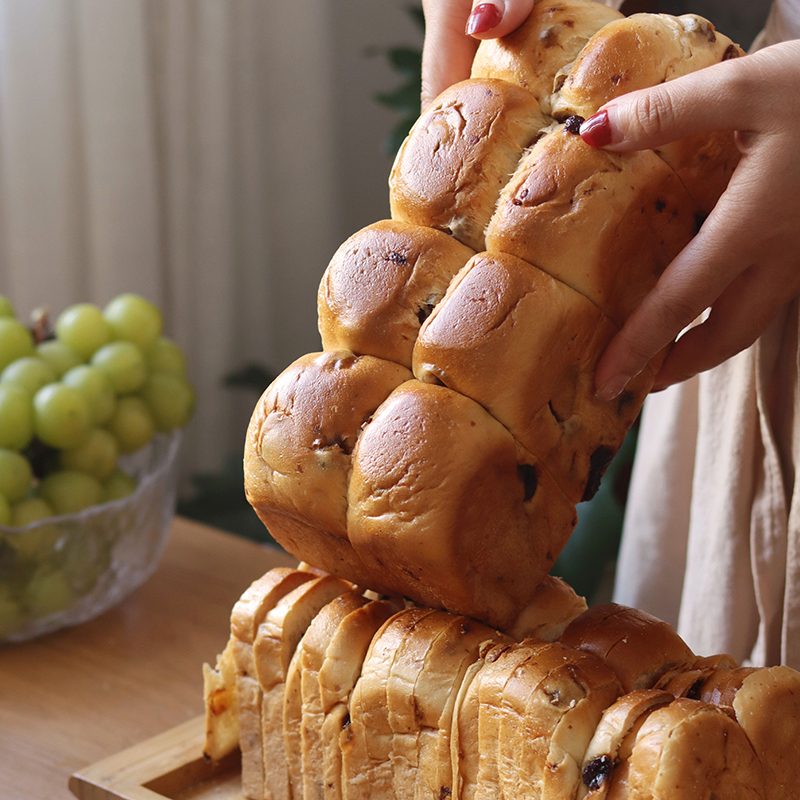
<point x="180" y="149"/>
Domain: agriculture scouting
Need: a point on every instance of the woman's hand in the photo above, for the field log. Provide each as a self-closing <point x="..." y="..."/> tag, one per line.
<point x="744" y="264"/>
<point x="452" y="28"/>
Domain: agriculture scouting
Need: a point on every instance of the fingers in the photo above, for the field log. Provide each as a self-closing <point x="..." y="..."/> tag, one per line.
<point x="740" y="315"/>
<point x="691" y="283"/>
<point x="497" y="18"/>
<point x="448" y="52"/>
<point x="452" y="30"/>
<point x="712" y="99"/>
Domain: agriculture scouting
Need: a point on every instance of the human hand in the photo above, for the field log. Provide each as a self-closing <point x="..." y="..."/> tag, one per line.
<point x="452" y="28"/>
<point x="744" y="264"/>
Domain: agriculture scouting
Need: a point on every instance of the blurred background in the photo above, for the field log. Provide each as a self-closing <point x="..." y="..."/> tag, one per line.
<point x="210" y="155"/>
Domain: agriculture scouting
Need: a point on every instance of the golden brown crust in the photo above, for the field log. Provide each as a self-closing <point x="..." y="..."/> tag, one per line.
<point x="552" y="608"/>
<point x="637" y="52"/>
<point x="606" y="224"/>
<point x="381" y="285"/>
<point x="637" y="646"/>
<point x="459" y="154"/>
<point x="691" y="749"/>
<point x="298" y="453"/>
<point x="605" y="750"/>
<point x="532" y="55"/>
<point x="449" y="511"/>
<point x="525" y="346"/>
<point x="767" y="706"/>
<point x="645" y="50"/>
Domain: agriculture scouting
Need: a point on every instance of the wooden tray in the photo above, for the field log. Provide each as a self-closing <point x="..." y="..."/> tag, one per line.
<point x="170" y="765"/>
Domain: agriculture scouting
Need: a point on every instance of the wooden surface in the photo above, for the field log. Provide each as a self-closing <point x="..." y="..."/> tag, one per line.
<point x="83" y="694"/>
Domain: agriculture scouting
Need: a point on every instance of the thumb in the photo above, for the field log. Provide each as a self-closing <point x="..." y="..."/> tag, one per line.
<point x="711" y="99"/>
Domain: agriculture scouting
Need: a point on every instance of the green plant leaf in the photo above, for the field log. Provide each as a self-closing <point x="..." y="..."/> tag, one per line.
<point x="404" y="98"/>
<point x="250" y="376"/>
<point x="406" y="60"/>
<point x="418" y="15"/>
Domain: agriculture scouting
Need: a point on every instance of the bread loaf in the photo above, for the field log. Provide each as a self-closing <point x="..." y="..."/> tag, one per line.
<point x="383" y="701"/>
<point x="515" y="254"/>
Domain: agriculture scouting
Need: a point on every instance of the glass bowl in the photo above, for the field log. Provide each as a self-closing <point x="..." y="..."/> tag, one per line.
<point x="68" y="569"/>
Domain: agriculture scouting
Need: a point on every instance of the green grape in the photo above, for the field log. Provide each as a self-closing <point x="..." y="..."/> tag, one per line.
<point x="96" y="455"/>
<point x="60" y="357"/>
<point x="96" y="387"/>
<point x="170" y="400"/>
<point x="132" y="425"/>
<point x="69" y="492"/>
<point x="134" y="319"/>
<point x="29" y="372"/>
<point x="30" y="510"/>
<point x="39" y="542"/>
<point x="16" y="341"/>
<point x="16" y="417"/>
<point x="123" y="364"/>
<point x="83" y="328"/>
<point x="5" y="510"/>
<point x="16" y="475"/>
<point x="61" y="415"/>
<point x="6" y="308"/>
<point x="165" y="356"/>
<point x="47" y="592"/>
<point x="119" y="486"/>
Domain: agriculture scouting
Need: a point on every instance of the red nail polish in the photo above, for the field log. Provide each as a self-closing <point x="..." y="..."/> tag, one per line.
<point x="483" y="18"/>
<point x="596" y="131"/>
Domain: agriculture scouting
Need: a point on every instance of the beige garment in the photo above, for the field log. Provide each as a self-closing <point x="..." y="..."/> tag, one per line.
<point x="712" y="531"/>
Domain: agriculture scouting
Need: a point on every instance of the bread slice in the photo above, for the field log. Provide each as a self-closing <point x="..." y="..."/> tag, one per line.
<point x="302" y="715"/>
<point x="231" y="694"/>
<point x="552" y="705"/>
<point x="691" y="749"/>
<point x="466" y="755"/>
<point x="337" y="676"/>
<point x="273" y="650"/>
<point x="640" y="648"/>
<point x="421" y="693"/>
<point x="554" y="605"/>
<point x="766" y="703"/>
<point x="366" y="742"/>
<point x="604" y="749"/>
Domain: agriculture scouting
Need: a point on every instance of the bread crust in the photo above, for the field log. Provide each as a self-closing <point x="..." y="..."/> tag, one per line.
<point x="646" y="50"/>
<point x="448" y="510"/>
<point x="606" y="224"/>
<point x="525" y="346"/>
<point x="550" y="38"/>
<point x="459" y="155"/>
<point x="298" y="450"/>
<point x="640" y="648"/>
<point x="380" y="286"/>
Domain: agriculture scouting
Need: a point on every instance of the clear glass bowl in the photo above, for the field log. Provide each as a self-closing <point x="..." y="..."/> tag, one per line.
<point x="68" y="569"/>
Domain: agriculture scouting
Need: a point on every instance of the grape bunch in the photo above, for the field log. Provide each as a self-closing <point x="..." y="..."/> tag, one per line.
<point x="100" y="385"/>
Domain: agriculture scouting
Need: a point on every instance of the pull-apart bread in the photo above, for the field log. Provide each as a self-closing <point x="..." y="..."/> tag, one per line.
<point x="427" y="464"/>
<point x="357" y="697"/>
<point x="438" y="447"/>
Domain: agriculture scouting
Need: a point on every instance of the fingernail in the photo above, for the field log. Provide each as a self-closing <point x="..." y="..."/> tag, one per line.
<point x="596" y="131"/>
<point x="611" y="388"/>
<point x="483" y="18"/>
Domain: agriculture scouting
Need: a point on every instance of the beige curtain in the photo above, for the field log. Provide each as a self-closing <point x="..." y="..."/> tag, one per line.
<point x="180" y="149"/>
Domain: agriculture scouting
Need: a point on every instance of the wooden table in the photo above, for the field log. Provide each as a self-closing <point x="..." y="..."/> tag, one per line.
<point x="80" y="695"/>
